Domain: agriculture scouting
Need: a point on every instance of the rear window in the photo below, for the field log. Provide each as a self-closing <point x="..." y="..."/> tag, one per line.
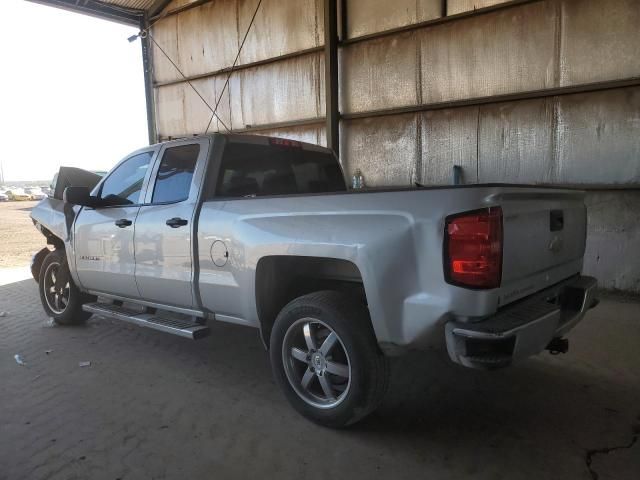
<point x="250" y="170"/>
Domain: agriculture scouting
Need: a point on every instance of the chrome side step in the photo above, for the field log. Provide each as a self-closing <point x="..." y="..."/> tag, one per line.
<point x="175" y="326"/>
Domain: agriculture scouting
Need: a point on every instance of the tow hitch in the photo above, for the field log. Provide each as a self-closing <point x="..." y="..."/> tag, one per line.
<point x="558" y="345"/>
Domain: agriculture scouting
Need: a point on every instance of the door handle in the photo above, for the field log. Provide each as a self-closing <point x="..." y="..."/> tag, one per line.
<point x="176" y="222"/>
<point x="123" y="222"/>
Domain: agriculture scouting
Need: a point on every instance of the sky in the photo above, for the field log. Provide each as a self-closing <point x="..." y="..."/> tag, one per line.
<point x="71" y="92"/>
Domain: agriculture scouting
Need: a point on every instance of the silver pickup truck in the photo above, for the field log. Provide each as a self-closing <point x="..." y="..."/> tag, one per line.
<point x="263" y="232"/>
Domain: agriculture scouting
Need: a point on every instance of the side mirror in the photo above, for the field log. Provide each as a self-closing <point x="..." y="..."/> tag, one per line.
<point x="79" y="196"/>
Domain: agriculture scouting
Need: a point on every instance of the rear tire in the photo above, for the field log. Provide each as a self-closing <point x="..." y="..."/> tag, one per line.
<point x="326" y="359"/>
<point x="60" y="297"/>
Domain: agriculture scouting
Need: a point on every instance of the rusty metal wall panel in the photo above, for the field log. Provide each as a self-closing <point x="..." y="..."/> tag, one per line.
<point x="613" y="239"/>
<point x="196" y="113"/>
<point x="207" y="37"/>
<point x="278" y="92"/>
<point x="280" y="27"/>
<point x="497" y="53"/>
<point x="370" y="16"/>
<point x="448" y="138"/>
<point x="599" y="137"/>
<point x="182" y="112"/>
<point x="170" y="111"/>
<point x="165" y="33"/>
<point x="384" y="149"/>
<point x="459" y="6"/>
<point x="322" y="136"/>
<point x="378" y="74"/>
<point x="309" y="134"/>
<point x="600" y="41"/>
<point x="212" y="89"/>
<point x="516" y="142"/>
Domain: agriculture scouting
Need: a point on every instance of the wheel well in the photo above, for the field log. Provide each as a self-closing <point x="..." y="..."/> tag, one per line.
<point x="52" y="240"/>
<point x="39" y="257"/>
<point x="280" y="279"/>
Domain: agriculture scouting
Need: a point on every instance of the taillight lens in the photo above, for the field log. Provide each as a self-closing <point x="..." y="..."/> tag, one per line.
<point x="284" y="142"/>
<point x="473" y="248"/>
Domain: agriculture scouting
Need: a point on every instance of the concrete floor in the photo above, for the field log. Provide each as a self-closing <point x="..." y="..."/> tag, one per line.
<point x="154" y="406"/>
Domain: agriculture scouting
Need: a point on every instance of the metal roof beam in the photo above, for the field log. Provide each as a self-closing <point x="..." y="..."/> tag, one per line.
<point x="98" y="9"/>
<point x="157" y="7"/>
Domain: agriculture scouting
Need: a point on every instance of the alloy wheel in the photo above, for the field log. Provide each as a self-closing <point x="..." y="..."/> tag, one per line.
<point x="57" y="290"/>
<point x="316" y="363"/>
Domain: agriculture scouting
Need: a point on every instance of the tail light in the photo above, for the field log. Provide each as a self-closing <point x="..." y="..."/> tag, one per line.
<point x="473" y="248"/>
<point x="284" y="142"/>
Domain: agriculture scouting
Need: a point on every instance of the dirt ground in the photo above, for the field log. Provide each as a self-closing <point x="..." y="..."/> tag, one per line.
<point x="19" y="240"/>
<point x="155" y="406"/>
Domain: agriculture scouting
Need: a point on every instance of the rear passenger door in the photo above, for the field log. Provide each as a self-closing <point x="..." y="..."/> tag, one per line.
<point x="165" y="225"/>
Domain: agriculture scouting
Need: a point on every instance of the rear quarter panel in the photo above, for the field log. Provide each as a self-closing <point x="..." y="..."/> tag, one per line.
<point x="394" y="238"/>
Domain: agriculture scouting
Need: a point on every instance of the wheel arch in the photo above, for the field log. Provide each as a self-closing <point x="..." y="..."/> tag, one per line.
<point x="52" y="239"/>
<point x="282" y="278"/>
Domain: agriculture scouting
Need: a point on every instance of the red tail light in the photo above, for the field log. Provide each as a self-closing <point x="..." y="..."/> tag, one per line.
<point x="284" y="142"/>
<point x="473" y="248"/>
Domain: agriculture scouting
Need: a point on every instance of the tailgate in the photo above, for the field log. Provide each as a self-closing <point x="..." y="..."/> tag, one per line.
<point x="544" y="239"/>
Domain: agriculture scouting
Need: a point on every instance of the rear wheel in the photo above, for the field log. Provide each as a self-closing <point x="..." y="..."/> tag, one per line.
<point x="326" y="359"/>
<point x="60" y="297"/>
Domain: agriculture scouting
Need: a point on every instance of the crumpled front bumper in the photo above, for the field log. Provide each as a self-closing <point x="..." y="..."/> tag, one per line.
<point x="523" y="329"/>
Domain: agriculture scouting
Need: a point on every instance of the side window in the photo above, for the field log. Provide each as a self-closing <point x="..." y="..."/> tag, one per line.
<point x="175" y="173"/>
<point x="123" y="185"/>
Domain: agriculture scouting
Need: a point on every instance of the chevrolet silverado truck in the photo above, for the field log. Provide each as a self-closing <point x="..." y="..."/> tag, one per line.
<point x="263" y="232"/>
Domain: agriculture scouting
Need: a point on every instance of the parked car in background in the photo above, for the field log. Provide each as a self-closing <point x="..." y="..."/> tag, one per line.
<point x="35" y="193"/>
<point x="18" y="194"/>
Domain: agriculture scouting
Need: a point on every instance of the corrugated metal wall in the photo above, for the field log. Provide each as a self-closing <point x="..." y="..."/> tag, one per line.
<point x="543" y="91"/>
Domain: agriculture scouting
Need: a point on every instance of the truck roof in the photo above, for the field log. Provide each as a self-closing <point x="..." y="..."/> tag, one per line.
<point x="252" y="138"/>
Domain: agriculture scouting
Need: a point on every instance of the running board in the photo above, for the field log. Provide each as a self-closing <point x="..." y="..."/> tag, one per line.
<point x="182" y="328"/>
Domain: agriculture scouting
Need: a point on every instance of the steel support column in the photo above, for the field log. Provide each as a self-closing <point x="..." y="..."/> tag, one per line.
<point x="147" y="66"/>
<point x="331" y="74"/>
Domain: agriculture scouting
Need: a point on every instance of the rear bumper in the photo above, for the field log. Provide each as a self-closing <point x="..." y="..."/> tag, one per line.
<point x="522" y="329"/>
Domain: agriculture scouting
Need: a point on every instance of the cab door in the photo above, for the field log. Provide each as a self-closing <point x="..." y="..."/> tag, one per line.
<point x="165" y="225"/>
<point x="104" y="236"/>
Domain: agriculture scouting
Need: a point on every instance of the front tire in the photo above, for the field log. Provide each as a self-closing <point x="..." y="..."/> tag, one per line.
<point x="60" y="297"/>
<point x="326" y="359"/>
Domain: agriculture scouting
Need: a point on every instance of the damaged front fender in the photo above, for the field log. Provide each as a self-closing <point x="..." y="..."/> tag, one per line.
<point x="52" y="216"/>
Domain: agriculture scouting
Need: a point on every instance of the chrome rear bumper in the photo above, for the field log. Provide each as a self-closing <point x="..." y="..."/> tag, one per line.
<point x="522" y="329"/>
